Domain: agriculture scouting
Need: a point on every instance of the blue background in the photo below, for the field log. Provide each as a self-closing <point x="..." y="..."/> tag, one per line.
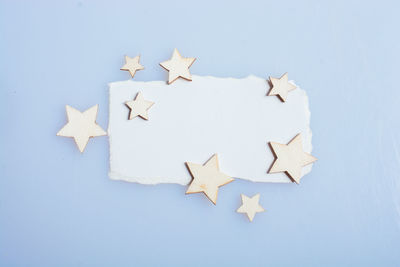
<point x="59" y="208"/>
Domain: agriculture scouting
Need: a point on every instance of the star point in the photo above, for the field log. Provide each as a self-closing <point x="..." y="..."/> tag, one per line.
<point x="178" y="67"/>
<point x="207" y="178"/>
<point x="81" y="126"/>
<point x="250" y="206"/>
<point x="281" y="87"/>
<point x="132" y="65"/>
<point x="139" y="107"/>
<point x="290" y="158"/>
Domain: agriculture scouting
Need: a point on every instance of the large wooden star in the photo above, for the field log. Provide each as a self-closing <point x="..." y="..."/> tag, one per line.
<point x="207" y="178"/>
<point x="178" y="66"/>
<point x="139" y="107"/>
<point x="81" y="126"/>
<point x="132" y="65"/>
<point x="250" y="206"/>
<point x="281" y="87"/>
<point x="290" y="158"/>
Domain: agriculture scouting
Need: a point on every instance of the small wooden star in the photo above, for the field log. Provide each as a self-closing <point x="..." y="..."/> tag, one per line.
<point x="250" y="206"/>
<point x="132" y="65"/>
<point x="281" y="87"/>
<point x="81" y="126"/>
<point x="178" y="66"/>
<point x="207" y="178"/>
<point x="139" y="107"/>
<point x="290" y="158"/>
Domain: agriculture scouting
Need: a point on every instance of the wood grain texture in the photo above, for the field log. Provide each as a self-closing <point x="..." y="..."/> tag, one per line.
<point x="132" y="65"/>
<point x="178" y="67"/>
<point x="81" y="126"/>
<point x="207" y="178"/>
<point x="281" y="87"/>
<point x="250" y="206"/>
<point x="139" y="107"/>
<point x="290" y="158"/>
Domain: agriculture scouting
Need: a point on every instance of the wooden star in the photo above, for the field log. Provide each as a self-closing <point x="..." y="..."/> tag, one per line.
<point x="132" y="65"/>
<point x="207" y="178"/>
<point x="178" y="66"/>
<point x="81" y="126"/>
<point x="250" y="206"/>
<point x="139" y="107"/>
<point x="281" y="87"/>
<point x="290" y="158"/>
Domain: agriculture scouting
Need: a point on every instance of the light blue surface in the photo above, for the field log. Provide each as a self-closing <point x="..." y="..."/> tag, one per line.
<point x="58" y="207"/>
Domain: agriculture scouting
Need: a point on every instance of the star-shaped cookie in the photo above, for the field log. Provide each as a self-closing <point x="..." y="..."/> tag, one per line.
<point x="290" y="158"/>
<point x="132" y="65"/>
<point x="207" y="178"/>
<point x="250" y="206"/>
<point x="178" y="66"/>
<point x="81" y="126"/>
<point x="281" y="87"/>
<point x="139" y="107"/>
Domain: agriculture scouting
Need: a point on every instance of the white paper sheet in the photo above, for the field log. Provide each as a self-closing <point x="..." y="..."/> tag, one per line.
<point x="190" y="121"/>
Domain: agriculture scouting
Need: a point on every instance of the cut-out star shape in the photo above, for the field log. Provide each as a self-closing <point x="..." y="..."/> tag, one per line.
<point x="207" y="178"/>
<point x="281" y="87"/>
<point x="132" y="65"/>
<point x="178" y="66"/>
<point x="290" y="158"/>
<point x="250" y="206"/>
<point x="81" y="126"/>
<point x="139" y="107"/>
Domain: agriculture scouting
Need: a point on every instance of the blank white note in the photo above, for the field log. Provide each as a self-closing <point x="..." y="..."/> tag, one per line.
<point x="191" y="121"/>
